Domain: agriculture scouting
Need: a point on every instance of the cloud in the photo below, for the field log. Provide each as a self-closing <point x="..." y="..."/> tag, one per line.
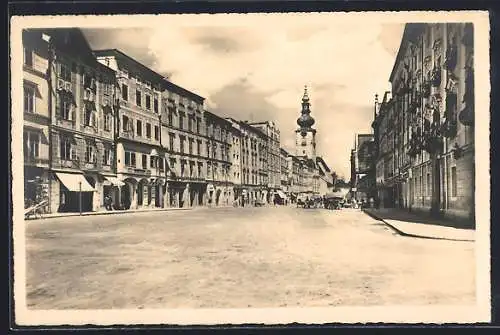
<point x="249" y="71"/>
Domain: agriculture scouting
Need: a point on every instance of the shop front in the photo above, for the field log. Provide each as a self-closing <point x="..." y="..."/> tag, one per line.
<point x="76" y="192"/>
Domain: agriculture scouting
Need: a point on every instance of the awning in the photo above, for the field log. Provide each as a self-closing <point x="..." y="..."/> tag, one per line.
<point x="73" y="182"/>
<point x="114" y="181"/>
<point x="281" y="194"/>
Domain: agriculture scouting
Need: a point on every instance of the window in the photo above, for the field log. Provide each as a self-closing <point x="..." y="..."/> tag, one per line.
<point x="31" y="144"/>
<point x="65" y="106"/>
<point x="106" y="157"/>
<point x="208" y="149"/>
<point x="107" y="122"/>
<point x="198" y="147"/>
<point x="183" y="164"/>
<point x="124" y="92"/>
<point x="130" y="158"/>
<point x="200" y="166"/>
<point x="190" y="146"/>
<point x="454" y="181"/>
<point x="152" y="161"/>
<point x="148" y="102"/>
<point x="65" y="149"/>
<point x="144" y="161"/>
<point x="181" y="120"/>
<point x="64" y="72"/>
<point x="172" y="164"/>
<point x="90" y="152"/>
<point x="90" y="117"/>
<point x="182" y="138"/>
<point x="170" y="117"/>
<point x="139" y="128"/>
<point x="190" y="123"/>
<point x="28" y="57"/>
<point x="138" y="98"/>
<point x="157" y="133"/>
<point x="198" y="122"/>
<point x="171" y="137"/>
<point x="160" y="164"/>
<point x="155" y="105"/>
<point x="125" y="122"/>
<point x="148" y="130"/>
<point x="29" y="99"/>
<point x="209" y="172"/>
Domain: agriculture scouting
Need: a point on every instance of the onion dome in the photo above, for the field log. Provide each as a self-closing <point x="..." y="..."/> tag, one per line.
<point x="305" y="120"/>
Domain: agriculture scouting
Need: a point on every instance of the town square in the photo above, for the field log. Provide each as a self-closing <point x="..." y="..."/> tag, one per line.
<point x="219" y="164"/>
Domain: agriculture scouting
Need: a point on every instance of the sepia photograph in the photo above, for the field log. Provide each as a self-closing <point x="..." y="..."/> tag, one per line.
<point x="251" y="168"/>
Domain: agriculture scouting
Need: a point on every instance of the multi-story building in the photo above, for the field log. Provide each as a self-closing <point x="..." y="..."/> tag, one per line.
<point x="218" y="145"/>
<point x="384" y="135"/>
<point x="36" y="118"/>
<point x="79" y="97"/>
<point x="140" y="157"/>
<point x="236" y="161"/>
<point x="433" y="108"/>
<point x="254" y="175"/>
<point x="363" y="167"/>
<point x="183" y="137"/>
<point x="285" y="172"/>
<point x="270" y="157"/>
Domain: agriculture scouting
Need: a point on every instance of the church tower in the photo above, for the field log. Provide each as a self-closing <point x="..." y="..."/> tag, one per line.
<point x="305" y="143"/>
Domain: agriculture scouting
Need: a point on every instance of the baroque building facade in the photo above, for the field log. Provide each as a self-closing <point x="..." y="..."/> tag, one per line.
<point x="140" y="157"/>
<point x="81" y="106"/>
<point x="431" y="112"/>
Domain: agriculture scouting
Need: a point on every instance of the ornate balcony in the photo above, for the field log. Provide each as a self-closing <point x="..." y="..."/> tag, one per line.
<point x="30" y="160"/>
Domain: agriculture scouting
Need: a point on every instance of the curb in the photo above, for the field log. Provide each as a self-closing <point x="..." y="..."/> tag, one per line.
<point x="402" y="233"/>
<point x="115" y="212"/>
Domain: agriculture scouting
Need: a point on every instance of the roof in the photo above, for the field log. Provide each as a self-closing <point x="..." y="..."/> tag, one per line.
<point x="217" y="118"/>
<point x="70" y="41"/>
<point x="249" y="127"/>
<point x="410" y="32"/>
<point x="283" y="151"/>
<point x="320" y="161"/>
<point x="130" y="63"/>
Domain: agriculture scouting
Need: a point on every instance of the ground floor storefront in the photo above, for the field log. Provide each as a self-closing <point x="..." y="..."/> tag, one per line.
<point x="444" y="187"/>
<point x="36" y="187"/>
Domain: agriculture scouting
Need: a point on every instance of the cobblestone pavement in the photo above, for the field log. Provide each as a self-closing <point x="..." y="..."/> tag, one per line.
<point x="239" y="257"/>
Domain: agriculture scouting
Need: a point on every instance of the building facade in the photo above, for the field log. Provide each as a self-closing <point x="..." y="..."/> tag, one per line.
<point x="363" y="168"/>
<point x="183" y="136"/>
<point x="36" y="117"/>
<point x="140" y="157"/>
<point x="254" y="173"/>
<point x="236" y="162"/>
<point x="270" y="156"/>
<point x="81" y="107"/>
<point x="219" y="134"/>
<point x="432" y="106"/>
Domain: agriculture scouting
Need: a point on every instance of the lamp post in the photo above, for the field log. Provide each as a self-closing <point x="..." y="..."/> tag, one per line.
<point x="80" y="196"/>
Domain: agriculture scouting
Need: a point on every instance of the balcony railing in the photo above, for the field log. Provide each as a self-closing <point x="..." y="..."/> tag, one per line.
<point x="132" y="169"/>
<point x="35" y="160"/>
<point x="65" y="123"/>
<point x="68" y="163"/>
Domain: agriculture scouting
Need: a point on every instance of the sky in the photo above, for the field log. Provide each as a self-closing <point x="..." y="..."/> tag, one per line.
<point x="254" y="67"/>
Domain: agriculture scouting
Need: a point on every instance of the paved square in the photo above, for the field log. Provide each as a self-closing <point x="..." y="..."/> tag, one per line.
<point x="239" y="257"/>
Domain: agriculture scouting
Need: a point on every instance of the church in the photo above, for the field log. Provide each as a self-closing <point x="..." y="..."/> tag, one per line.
<point x="317" y="174"/>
